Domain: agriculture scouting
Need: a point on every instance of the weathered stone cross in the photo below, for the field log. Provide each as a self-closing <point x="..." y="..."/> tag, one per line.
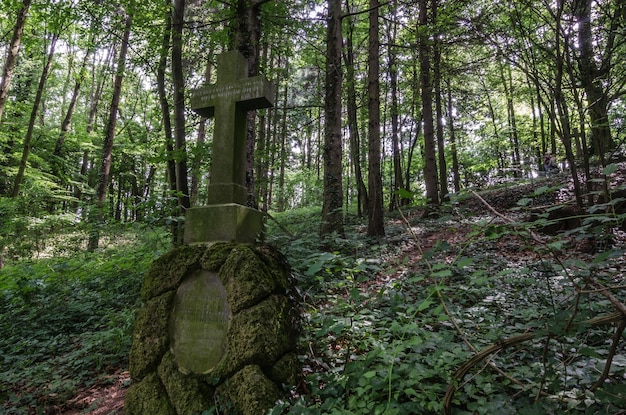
<point x="226" y="217"/>
<point x="229" y="101"/>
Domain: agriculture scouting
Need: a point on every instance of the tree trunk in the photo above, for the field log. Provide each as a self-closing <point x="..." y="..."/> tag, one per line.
<point x="11" y="58"/>
<point x="107" y="146"/>
<point x="353" y="126"/>
<point x="453" y="147"/>
<point x="33" y="117"/>
<point x="394" y="199"/>
<point x="332" y="205"/>
<point x="443" y="168"/>
<point x="178" y="82"/>
<point x="375" y="214"/>
<point x="67" y="120"/>
<point x="246" y="37"/>
<point x="430" y="162"/>
<point x="167" y="124"/>
<point x="563" y="110"/>
<point x="592" y="77"/>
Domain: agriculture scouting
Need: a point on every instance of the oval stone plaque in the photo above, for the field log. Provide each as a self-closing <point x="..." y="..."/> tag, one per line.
<point x="199" y="322"/>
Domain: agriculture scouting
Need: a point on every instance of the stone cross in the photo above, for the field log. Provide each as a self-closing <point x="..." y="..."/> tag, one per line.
<point x="226" y="216"/>
<point x="228" y="101"/>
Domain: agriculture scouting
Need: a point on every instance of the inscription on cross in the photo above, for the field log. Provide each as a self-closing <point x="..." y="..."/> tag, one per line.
<point x="228" y="101"/>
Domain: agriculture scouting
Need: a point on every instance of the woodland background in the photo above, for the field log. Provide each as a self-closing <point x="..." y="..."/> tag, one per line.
<point x="387" y="117"/>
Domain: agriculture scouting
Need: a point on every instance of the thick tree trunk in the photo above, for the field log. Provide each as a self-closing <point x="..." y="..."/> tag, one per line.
<point x="33" y="117"/>
<point x="332" y="205"/>
<point x="592" y="77"/>
<point x="375" y="214"/>
<point x="107" y="146"/>
<point x="11" y="58"/>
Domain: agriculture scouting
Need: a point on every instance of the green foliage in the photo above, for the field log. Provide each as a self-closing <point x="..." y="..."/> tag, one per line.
<point x="66" y="324"/>
<point x="387" y="337"/>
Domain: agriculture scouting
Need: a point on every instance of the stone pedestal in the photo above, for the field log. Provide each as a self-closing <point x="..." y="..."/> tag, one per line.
<point x="222" y="223"/>
<point x="217" y="333"/>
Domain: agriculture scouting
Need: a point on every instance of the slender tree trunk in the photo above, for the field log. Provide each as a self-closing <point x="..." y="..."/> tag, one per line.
<point x="247" y="35"/>
<point x="332" y="207"/>
<point x="453" y="146"/>
<point x="375" y="214"/>
<point x="282" y="205"/>
<point x="353" y="126"/>
<point x="443" y="168"/>
<point x="507" y="83"/>
<point x="563" y="110"/>
<point x="430" y="162"/>
<point x="397" y="179"/>
<point x="33" y="117"/>
<point x="67" y="120"/>
<point x="11" y="58"/>
<point x="107" y="147"/>
<point x="167" y="124"/>
<point x="178" y="82"/>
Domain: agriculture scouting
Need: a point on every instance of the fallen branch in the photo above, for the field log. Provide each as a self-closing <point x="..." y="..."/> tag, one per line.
<point x="515" y="340"/>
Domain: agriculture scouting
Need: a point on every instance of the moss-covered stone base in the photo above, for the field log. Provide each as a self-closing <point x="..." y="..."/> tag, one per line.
<point x="260" y="359"/>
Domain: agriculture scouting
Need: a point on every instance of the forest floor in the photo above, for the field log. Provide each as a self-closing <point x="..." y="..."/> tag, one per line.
<point x="413" y="237"/>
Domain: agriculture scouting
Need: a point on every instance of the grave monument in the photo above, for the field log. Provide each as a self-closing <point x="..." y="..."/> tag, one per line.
<point x="217" y="330"/>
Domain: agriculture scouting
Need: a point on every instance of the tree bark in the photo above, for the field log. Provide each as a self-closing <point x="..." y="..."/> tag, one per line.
<point x="443" y="169"/>
<point x="332" y="206"/>
<point x="453" y="147"/>
<point x="591" y="76"/>
<point x="394" y="200"/>
<point x="178" y="81"/>
<point x="375" y="214"/>
<point x="167" y="123"/>
<point x="11" y="58"/>
<point x="430" y="162"/>
<point x="246" y="38"/>
<point x="353" y="126"/>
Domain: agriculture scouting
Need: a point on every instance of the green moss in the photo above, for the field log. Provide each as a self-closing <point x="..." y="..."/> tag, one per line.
<point x="249" y="391"/>
<point x="286" y="371"/>
<point x="168" y="270"/>
<point x="147" y="397"/>
<point x="261" y="334"/>
<point x="188" y="394"/>
<point x="150" y="335"/>
<point x="216" y="255"/>
<point x="247" y="279"/>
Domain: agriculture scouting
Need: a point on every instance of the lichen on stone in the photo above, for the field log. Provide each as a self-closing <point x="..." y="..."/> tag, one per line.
<point x="150" y="335"/>
<point x="148" y="397"/>
<point x="188" y="394"/>
<point x="167" y="271"/>
<point x="249" y="391"/>
<point x="216" y="255"/>
<point x="261" y="334"/>
<point x="247" y="279"/>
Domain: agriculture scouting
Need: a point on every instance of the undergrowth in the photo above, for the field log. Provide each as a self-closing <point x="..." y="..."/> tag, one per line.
<point x="459" y="314"/>
<point x="500" y="322"/>
<point x="66" y="322"/>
